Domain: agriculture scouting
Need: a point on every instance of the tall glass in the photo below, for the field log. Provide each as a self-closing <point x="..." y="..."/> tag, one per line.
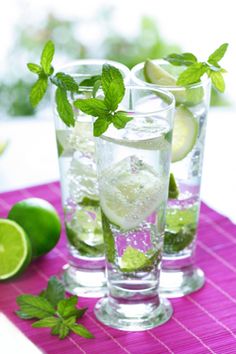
<point x="84" y="274"/>
<point x="180" y="275"/>
<point x="133" y="175"/>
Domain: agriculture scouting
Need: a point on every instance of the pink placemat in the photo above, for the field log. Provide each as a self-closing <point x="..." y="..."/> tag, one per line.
<point x="203" y="322"/>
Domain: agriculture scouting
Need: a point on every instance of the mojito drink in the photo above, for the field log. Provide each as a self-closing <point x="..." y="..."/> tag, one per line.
<point x="84" y="274"/>
<point x="179" y="275"/>
<point x="133" y="170"/>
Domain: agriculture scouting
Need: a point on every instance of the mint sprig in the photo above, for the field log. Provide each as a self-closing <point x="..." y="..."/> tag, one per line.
<point x="195" y="69"/>
<point x="52" y="310"/>
<point x="105" y="110"/>
<point x="64" y="83"/>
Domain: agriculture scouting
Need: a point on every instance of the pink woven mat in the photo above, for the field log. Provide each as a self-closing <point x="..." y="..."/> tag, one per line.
<point x="203" y="322"/>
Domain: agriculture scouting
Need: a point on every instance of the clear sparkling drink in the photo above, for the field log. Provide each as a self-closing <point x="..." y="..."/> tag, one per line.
<point x="133" y="173"/>
<point x="179" y="274"/>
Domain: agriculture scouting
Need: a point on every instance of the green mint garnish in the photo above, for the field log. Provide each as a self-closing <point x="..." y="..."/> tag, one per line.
<point x="53" y="310"/>
<point x="63" y="82"/>
<point x="195" y="70"/>
<point x="105" y="110"/>
<point x="64" y="108"/>
<point x="47" y="57"/>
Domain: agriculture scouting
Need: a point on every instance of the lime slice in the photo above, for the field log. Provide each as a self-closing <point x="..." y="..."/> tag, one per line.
<point x="184" y="134"/>
<point x="155" y="74"/>
<point x="130" y="190"/>
<point x="133" y="260"/>
<point x="15" y="249"/>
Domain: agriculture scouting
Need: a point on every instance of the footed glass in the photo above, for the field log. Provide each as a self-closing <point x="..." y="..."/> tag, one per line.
<point x="84" y="274"/>
<point x="180" y="275"/>
<point x="133" y="174"/>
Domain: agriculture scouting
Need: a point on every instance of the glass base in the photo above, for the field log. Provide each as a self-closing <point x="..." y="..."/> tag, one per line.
<point x="84" y="283"/>
<point x="180" y="282"/>
<point x="126" y="317"/>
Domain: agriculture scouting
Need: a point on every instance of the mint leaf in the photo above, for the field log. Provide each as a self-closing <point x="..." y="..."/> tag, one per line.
<point x="64" y="108"/>
<point x="181" y="59"/>
<point x="91" y="81"/>
<point x="109" y="74"/>
<point x="55" y="291"/>
<point x="38" y="91"/>
<point x="46" y="322"/>
<point x="109" y="243"/>
<point x="81" y="331"/>
<point x="92" y="106"/>
<point x="65" y="82"/>
<point x="192" y="74"/>
<point x="34" y="306"/>
<point x="34" y="68"/>
<point x="100" y="126"/>
<point x="114" y="94"/>
<point x="47" y="56"/>
<point x="63" y="331"/>
<point x="218" y="54"/>
<point x="173" y="188"/>
<point x="120" y="119"/>
<point x="66" y="307"/>
<point x="217" y="80"/>
<point x="96" y="87"/>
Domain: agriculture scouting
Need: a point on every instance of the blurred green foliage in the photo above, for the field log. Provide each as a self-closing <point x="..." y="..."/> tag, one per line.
<point x="71" y="44"/>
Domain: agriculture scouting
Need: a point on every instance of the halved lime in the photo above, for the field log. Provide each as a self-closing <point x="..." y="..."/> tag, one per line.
<point x="15" y="249"/>
<point x="40" y="221"/>
<point x="184" y="134"/>
<point x="131" y="190"/>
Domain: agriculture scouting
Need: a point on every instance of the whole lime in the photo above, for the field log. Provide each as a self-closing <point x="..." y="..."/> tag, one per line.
<point x="40" y="221"/>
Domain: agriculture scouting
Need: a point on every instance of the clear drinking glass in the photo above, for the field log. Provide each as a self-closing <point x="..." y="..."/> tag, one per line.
<point x="133" y="175"/>
<point x="179" y="274"/>
<point x="84" y="274"/>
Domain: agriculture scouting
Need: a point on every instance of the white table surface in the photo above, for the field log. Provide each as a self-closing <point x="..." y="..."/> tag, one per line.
<point x="31" y="159"/>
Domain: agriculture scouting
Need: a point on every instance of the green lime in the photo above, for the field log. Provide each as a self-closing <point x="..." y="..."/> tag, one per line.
<point x="40" y="221"/>
<point x="15" y="249"/>
<point x="184" y="134"/>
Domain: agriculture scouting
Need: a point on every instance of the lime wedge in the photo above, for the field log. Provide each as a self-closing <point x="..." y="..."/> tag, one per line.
<point x="184" y="134"/>
<point x="130" y="191"/>
<point x="133" y="260"/>
<point x="155" y="74"/>
<point x="15" y="249"/>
